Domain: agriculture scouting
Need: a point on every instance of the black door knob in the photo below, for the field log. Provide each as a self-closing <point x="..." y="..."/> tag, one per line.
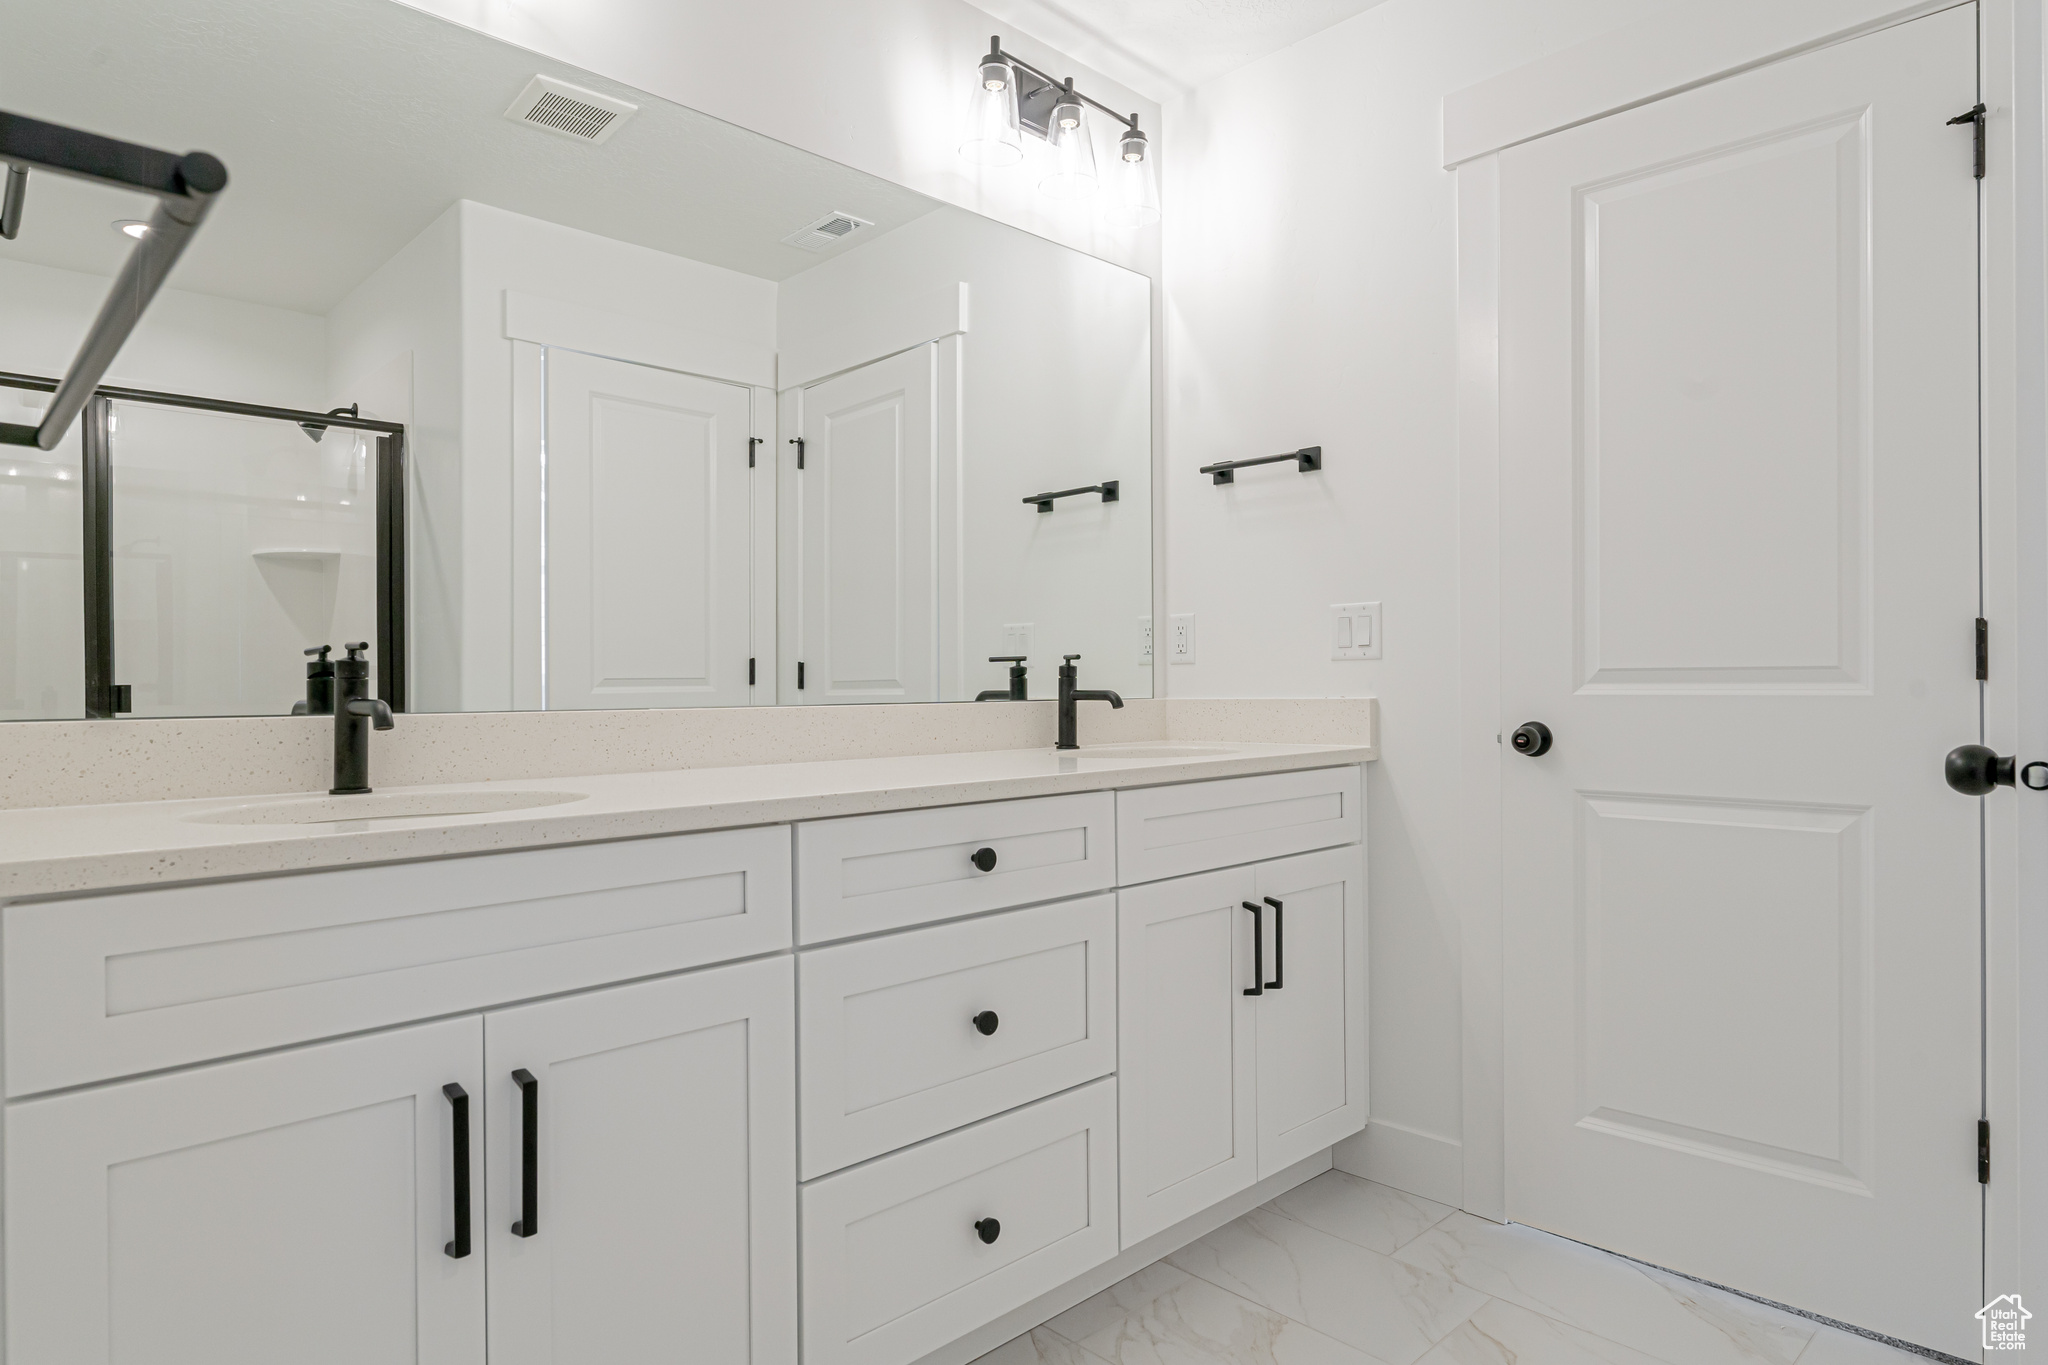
<point x="1532" y="739"/>
<point x="986" y="1022"/>
<point x="988" y="1229"/>
<point x="983" y="858"/>
<point x="1974" y="770"/>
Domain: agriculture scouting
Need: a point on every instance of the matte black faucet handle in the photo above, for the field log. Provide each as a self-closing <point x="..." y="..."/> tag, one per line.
<point x="1008" y="658"/>
<point x="1070" y="657"/>
<point x="355" y="651"/>
<point x="375" y="708"/>
<point x="322" y="650"/>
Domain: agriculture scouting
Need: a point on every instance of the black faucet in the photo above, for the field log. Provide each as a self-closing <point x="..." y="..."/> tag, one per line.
<point x="355" y="711"/>
<point x="319" y="684"/>
<point x="1069" y="695"/>
<point x="1017" y="690"/>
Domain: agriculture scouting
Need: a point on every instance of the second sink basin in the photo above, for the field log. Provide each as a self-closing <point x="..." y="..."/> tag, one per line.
<point x="326" y="810"/>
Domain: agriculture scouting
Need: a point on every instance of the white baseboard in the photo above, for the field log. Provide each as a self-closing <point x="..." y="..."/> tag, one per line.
<point x="1050" y="1305"/>
<point x="1406" y="1158"/>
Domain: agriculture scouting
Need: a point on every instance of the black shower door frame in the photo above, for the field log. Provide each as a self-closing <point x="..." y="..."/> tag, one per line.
<point x="104" y="697"/>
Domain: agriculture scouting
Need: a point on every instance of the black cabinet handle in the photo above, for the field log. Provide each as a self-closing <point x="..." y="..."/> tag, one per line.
<point x="1258" y="986"/>
<point x="988" y="1229"/>
<point x="983" y="858"/>
<point x="986" y="1022"/>
<point x="529" y="1154"/>
<point x="458" y="1101"/>
<point x="1279" y="947"/>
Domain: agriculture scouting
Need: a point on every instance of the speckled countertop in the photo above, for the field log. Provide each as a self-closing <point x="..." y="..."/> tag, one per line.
<point x="55" y="850"/>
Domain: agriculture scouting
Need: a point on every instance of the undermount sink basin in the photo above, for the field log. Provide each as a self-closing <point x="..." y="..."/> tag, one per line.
<point x="1155" y="751"/>
<point x="333" y="810"/>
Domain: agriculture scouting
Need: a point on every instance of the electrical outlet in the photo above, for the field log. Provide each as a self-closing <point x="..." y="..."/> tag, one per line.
<point x="1355" y="630"/>
<point x="1180" y="647"/>
<point x="1145" y="641"/>
<point x="1017" y="639"/>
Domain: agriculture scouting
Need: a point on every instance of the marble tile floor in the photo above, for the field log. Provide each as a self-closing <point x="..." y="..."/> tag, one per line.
<point x="1343" y="1271"/>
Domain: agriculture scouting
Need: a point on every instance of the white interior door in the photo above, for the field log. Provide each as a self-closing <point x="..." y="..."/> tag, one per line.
<point x="648" y="537"/>
<point x="663" y="1218"/>
<point x="1186" y="1039"/>
<point x="1312" y="1041"/>
<point x="294" y="1207"/>
<point x="867" y="535"/>
<point x="1738" y="582"/>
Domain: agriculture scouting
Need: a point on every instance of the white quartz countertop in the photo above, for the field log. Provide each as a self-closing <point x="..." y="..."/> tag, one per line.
<point x="56" y="850"/>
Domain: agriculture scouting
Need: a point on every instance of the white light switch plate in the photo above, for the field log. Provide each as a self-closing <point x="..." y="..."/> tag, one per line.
<point x="1354" y="630"/>
<point x="1017" y="639"/>
<point x="1180" y="642"/>
<point x="1145" y="641"/>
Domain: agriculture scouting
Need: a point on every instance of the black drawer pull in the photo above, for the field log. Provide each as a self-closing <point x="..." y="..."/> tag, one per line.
<point x="983" y="858"/>
<point x="986" y="1022"/>
<point x="988" y="1229"/>
<point x="1258" y="986"/>
<point x="458" y="1101"/>
<point x="529" y="1154"/>
<point x="1279" y="948"/>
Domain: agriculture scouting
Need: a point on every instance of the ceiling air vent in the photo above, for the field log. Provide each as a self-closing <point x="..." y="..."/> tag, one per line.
<point x="833" y="227"/>
<point x="568" y="109"/>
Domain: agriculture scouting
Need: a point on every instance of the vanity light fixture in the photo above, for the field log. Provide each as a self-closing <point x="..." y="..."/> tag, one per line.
<point x="1012" y="97"/>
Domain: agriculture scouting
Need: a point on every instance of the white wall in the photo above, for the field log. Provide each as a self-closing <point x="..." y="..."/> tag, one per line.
<point x="1054" y="395"/>
<point x="1310" y="257"/>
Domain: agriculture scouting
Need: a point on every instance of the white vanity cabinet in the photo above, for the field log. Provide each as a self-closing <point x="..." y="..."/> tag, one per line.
<point x="294" y="1206"/>
<point x="1241" y="1029"/>
<point x="586" y="1103"/>
<point x="660" y="1139"/>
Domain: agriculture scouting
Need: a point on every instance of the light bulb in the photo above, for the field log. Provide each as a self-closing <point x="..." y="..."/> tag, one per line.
<point x="1072" y="175"/>
<point x="134" y="227"/>
<point x="1134" y="192"/>
<point x="992" y="136"/>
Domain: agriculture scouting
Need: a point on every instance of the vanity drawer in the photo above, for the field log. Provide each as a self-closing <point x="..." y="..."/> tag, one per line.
<point x="105" y="986"/>
<point x="1196" y="826"/>
<point x="893" y="1265"/>
<point x="870" y="872"/>
<point x="892" y="1051"/>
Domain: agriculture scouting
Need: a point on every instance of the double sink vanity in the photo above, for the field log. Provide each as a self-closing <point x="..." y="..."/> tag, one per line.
<point x="854" y="1062"/>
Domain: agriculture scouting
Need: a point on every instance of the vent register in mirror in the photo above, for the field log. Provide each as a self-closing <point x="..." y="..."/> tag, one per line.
<point x="689" y="417"/>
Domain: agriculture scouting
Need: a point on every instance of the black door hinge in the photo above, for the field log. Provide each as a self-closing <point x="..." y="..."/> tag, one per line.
<point x="1975" y="118"/>
<point x="799" y="675"/>
<point x="1983" y="650"/>
<point x="1983" y="1151"/>
<point x="753" y="442"/>
<point x="750" y="672"/>
<point x="798" y="442"/>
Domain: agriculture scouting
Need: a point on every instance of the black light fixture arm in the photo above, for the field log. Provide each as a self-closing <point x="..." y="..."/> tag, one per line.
<point x="1108" y="489"/>
<point x="1305" y="459"/>
<point x="995" y="49"/>
<point x="184" y="186"/>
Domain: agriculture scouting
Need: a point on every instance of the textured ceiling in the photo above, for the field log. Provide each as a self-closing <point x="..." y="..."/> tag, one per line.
<point x="1161" y="48"/>
<point x="349" y="125"/>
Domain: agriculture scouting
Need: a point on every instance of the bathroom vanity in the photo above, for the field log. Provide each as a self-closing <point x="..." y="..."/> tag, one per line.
<point x="835" y="1062"/>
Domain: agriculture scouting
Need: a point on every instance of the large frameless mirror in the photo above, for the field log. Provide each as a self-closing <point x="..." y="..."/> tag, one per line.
<point x="550" y="392"/>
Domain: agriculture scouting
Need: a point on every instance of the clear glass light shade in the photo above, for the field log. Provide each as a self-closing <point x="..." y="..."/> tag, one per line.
<point x="1133" y="188"/>
<point x="1071" y="172"/>
<point x="992" y="136"/>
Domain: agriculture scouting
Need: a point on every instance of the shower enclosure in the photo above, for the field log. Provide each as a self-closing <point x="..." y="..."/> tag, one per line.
<point x="174" y="555"/>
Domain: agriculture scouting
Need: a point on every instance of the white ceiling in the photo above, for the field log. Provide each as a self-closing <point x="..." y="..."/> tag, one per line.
<point x="349" y="125"/>
<point x="1162" y="48"/>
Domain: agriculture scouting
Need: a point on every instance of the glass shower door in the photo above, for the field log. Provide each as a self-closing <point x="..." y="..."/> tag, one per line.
<point x="237" y="543"/>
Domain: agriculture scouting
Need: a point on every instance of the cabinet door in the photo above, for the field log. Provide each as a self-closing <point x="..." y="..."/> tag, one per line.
<point x="1312" y="1017"/>
<point x="296" y="1206"/>
<point x="663" y="1150"/>
<point x="1184" y="1047"/>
